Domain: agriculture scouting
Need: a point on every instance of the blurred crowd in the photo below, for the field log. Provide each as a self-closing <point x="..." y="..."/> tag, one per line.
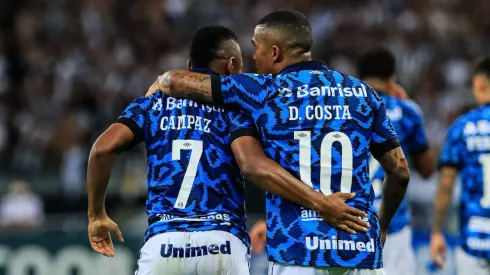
<point x="69" y="67"/>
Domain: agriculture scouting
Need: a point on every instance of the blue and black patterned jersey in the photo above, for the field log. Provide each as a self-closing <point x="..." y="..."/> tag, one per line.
<point x="467" y="148"/>
<point x="321" y="125"/>
<point x="406" y="117"/>
<point x="194" y="183"/>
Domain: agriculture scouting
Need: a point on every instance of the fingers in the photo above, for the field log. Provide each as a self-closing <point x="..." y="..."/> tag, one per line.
<point x="108" y="247"/>
<point x="356" y="227"/>
<point x="438" y="255"/>
<point x="345" y="228"/>
<point x="118" y="234"/>
<point x="357" y="212"/>
<point x="96" y="248"/>
<point x="345" y="196"/>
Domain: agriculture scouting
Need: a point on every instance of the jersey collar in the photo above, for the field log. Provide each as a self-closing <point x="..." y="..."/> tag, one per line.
<point x="306" y="65"/>
<point x="203" y="71"/>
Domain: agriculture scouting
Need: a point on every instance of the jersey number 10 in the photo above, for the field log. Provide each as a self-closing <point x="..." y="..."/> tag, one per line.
<point x="304" y="138"/>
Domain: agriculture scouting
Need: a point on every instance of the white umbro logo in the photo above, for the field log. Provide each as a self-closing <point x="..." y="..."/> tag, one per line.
<point x="157" y="106"/>
<point x="316" y="72"/>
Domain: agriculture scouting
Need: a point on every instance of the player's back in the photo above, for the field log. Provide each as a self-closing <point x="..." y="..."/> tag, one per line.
<point x="321" y="125"/>
<point x="467" y="148"/>
<point x="406" y="117"/>
<point x="194" y="183"/>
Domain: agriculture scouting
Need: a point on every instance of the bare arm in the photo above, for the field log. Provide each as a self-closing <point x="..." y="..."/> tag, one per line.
<point x="397" y="177"/>
<point x="425" y="163"/>
<point x="182" y="83"/>
<point x="116" y="139"/>
<point x="443" y="197"/>
<point x="269" y="175"/>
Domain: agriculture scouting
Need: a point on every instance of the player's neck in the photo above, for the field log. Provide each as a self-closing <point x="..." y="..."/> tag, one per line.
<point x="293" y="59"/>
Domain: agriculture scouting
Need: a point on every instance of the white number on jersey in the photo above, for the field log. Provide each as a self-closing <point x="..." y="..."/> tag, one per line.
<point x="485" y="163"/>
<point x="304" y="138"/>
<point x="190" y="173"/>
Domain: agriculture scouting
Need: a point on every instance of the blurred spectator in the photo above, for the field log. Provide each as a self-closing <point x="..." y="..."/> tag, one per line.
<point x="20" y="208"/>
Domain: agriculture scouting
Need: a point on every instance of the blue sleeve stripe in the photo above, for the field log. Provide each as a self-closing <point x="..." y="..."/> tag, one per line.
<point x="378" y="149"/>
<point x="244" y="132"/>
<point x="217" y="93"/>
<point x="139" y="135"/>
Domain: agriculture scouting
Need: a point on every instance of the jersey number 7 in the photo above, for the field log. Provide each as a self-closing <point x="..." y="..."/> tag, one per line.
<point x="304" y="138"/>
<point x="190" y="173"/>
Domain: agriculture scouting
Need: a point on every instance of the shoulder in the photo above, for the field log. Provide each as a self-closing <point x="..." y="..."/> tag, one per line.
<point x="410" y="108"/>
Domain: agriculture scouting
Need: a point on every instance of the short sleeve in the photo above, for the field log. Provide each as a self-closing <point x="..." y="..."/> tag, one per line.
<point x="383" y="136"/>
<point x="417" y="139"/>
<point x="241" y="125"/>
<point x="451" y="150"/>
<point x="135" y="118"/>
<point x="246" y="91"/>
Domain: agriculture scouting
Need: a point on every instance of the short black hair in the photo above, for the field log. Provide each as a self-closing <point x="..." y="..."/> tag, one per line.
<point x="483" y="66"/>
<point x="206" y="42"/>
<point x="293" y="24"/>
<point x="379" y="63"/>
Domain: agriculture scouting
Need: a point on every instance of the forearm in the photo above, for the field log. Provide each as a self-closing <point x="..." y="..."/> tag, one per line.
<point x="276" y="180"/>
<point x="98" y="174"/>
<point x="182" y="83"/>
<point x="394" y="190"/>
<point x="397" y="177"/>
<point x="443" y="198"/>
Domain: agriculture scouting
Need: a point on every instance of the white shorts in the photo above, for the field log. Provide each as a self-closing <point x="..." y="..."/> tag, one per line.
<point x="193" y="253"/>
<point x="468" y="264"/>
<point x="280" y="269"/>
<point x="398" y="255"/>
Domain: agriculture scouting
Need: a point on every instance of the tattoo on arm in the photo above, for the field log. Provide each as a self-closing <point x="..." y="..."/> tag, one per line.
<point x="190" y="85"/>
<point x="443" y="197"/>
<point x="394" y="161"/>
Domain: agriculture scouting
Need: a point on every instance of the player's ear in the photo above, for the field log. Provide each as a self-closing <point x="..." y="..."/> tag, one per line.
<point x="189" y="64"/>
<point x="276" y="54"/>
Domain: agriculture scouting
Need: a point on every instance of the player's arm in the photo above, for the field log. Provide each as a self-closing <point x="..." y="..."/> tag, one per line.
<point x="447" y="176"/>
<point x="395" y="184"/>
<point x="449" y="162"/>
<point x="270" y="176"/>
<point x="117" y="138"/>
<point x="246" y="91"/>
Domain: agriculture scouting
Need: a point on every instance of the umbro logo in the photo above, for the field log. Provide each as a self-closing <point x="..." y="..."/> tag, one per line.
<point x="157" y="106"/>
<point x="316" y="72"/>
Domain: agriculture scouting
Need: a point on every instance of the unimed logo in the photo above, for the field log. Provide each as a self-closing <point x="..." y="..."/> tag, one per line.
<point x="168" y="250"/>
<point x="336" y="244"/>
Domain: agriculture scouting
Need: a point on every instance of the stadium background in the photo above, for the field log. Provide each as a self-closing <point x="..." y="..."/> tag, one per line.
<point x="69" y="67"/>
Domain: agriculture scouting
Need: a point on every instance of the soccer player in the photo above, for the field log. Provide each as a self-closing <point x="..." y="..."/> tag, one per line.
<point x="377" y="69"/>
<point x="321" y="125"/>
<point x="467" y="151"/>
<point x="195" y="202"/>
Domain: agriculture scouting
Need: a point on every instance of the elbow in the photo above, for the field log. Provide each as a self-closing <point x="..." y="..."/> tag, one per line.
<point x="403" y="176"/>
<point x="99" y="151"/>
<point x="252" y="170"/>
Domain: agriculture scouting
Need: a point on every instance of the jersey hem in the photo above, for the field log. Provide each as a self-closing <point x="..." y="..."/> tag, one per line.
<point x="244" y="241"/>
<point x="358" y="266"/>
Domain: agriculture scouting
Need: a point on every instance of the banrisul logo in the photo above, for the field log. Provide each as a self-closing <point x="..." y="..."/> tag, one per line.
<point x="169" y="250"/>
